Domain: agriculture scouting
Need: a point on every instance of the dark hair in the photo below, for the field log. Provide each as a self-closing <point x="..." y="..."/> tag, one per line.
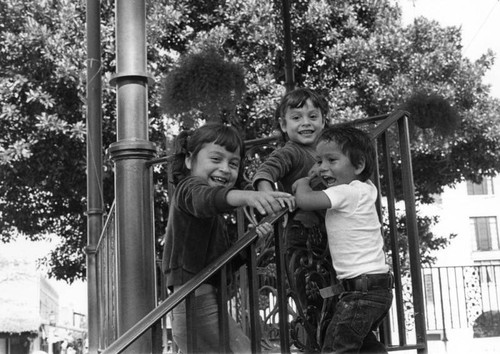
<point x="190" y="142"/>
<point x="355" y="144"/>
<point x="297" y="99"/>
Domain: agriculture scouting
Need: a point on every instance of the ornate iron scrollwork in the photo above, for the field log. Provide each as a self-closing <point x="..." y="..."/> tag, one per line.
<point x="309" y="268"/>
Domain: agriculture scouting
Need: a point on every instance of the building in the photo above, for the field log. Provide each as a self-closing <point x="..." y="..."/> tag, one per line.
<point x="27" y="303"/>
<point x="471" y="211"/>
<point x="462" y="289"/>
<point x="31" y="316"/>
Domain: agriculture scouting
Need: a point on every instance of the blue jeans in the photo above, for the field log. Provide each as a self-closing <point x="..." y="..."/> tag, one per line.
<point x="206" y="324"/>
<point x="356" y="316"/>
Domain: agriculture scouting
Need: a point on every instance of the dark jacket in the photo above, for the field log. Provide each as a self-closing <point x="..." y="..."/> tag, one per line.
<point x="286" y="165"/>
<point x="196" y="233"/>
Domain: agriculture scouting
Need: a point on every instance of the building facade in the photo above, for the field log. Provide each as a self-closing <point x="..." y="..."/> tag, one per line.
<point x="462" y="289"/>
<point x="31" y="316"/>
<point x="471" y="212"/>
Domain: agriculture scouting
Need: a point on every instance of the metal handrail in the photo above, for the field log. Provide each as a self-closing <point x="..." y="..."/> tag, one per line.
<point x="162" y="309"/>
<point x="106" y="224"/>
<point x="387" y="122"/>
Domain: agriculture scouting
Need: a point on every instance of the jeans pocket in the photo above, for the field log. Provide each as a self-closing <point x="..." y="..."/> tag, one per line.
<point x="369" y="310"/>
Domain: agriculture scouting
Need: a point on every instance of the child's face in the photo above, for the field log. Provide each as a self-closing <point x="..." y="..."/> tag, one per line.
<point x="304" y="124"/>
<point x="215" y="164"/>
<point x="334" y="166"/>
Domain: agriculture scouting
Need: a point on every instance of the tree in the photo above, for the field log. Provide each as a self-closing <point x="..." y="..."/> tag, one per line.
<point x="357" y="53"/>
<point x="42" y="149"/>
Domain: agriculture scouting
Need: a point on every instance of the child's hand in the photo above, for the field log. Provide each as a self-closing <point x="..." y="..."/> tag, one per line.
<point x="288" y="202"/>
<point x="263" y="229"/>
<point x="313" y="172"/>
<point x="268" y="203"/>
<point x="315" y="180"/>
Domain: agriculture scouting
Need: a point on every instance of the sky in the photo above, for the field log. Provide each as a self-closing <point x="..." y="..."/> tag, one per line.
<point x="74" y="295"/>
<point x="480" y="23"/>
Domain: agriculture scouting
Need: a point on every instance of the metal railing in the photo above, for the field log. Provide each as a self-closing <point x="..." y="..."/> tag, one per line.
<point x="186" y="292"/>
<point x="106" y="263"/>
<point x="457" y="296"/>
<point x="387" y="131"/>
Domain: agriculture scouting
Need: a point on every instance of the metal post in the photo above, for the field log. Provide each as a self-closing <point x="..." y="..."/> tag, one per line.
<point x="281" y="287"/>
<point x="445" y="338"/>
<point x="413" y="239"/>
<point x="94" y="166"/>
<point x="131" y="151"/>
<point x="396" y="264"/>
<point x="287" y="34"/>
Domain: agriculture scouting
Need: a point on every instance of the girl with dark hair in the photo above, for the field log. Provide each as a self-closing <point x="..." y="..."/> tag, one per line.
<point x="206" y="167"/>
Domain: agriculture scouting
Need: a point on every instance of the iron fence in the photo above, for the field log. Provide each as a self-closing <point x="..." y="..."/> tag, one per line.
<point x="457" y="296"/>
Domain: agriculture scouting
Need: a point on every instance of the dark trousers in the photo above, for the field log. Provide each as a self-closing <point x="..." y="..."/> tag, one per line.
<point x="356" y="316"/>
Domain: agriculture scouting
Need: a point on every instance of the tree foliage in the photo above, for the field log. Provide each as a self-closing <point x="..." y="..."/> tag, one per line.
<point x="357" y="53"/>
<point x="203" y="82"/>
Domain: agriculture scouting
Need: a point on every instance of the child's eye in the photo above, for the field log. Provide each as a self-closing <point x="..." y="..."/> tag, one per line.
<point x="234" y="165"/>
<point x="216" y="159"/>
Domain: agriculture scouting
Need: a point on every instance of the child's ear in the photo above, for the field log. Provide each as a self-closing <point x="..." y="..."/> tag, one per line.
<point x="360" y="167"/>
<point x="188" y="161"/>
<point x="283" y="124"/>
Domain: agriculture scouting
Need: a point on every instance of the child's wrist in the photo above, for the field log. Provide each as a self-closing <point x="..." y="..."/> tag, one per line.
<point x="303" y="183"/>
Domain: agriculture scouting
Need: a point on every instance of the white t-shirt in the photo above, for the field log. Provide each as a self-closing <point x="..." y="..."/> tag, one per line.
<point x="353" y="228"/>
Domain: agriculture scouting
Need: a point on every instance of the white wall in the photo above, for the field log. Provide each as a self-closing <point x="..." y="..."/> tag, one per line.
<point x="454" y="208"/>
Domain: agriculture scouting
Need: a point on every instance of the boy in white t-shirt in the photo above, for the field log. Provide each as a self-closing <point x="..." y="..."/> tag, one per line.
<point x="345" y="163"/>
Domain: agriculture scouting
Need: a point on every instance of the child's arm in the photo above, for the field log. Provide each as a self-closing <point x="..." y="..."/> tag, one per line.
<point x="264" y="202"/>
<point x="308" y="199"/>
<point x="264" y="185"/>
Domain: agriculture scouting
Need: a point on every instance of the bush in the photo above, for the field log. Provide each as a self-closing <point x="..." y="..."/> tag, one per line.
<point x="487" y="325"/>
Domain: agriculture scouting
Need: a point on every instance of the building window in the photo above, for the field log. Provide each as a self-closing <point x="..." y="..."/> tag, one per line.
<point x="483" y="188"/>
<point x="429" y="289"/>
<point x="485" y="231"/>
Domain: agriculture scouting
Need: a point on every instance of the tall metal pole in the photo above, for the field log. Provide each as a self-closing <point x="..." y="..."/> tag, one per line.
<point x="287" y="35"/>
<point x="131" y="151"/>
<point x="413" y="242"/>
<point x="94" y="166"/>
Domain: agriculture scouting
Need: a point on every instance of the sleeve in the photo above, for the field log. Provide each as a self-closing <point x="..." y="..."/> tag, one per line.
<point x="275" y="167"/>
<point x="343" y="198"/>
<point x="197" y="198"/>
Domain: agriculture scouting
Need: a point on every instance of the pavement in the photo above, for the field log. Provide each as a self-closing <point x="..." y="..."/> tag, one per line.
<point x="460" y="341"/>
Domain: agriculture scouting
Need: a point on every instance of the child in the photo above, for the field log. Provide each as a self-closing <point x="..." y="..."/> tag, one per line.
<point x="209" y="159"/>
<point x="301" y="115"/>
<point x="346" y="161"/>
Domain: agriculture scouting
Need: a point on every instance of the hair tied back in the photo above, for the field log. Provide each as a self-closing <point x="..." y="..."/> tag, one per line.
<point x="182" y="141"/>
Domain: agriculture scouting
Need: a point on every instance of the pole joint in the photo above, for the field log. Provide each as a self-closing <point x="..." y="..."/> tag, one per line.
<point x="138" y="149"/>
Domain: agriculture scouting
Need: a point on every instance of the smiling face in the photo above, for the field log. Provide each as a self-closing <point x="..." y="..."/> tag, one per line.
<point x="303" y="124"/>
<point x="215" y="164"/>
<point x="334" y="166"/>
